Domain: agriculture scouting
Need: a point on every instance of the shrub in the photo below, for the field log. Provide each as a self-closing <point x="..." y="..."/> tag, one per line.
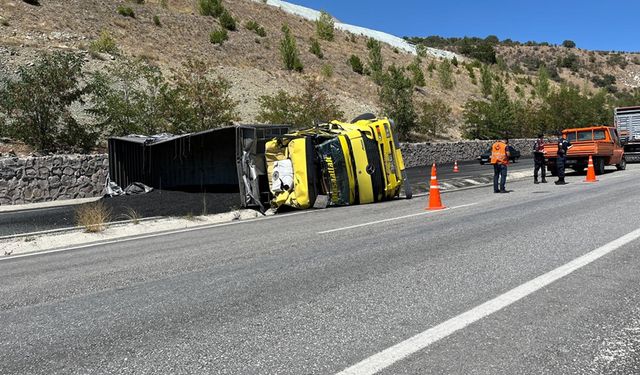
<point x="211" y="8"/>
<point x="569" y="44"/>
<point x="325" y="26"/>
<point x="93" y="216"/>
<point x="315" y="48"/>
<point x="313" y="105"/>
<point x="256" y="28"/>
<point x="125" y="11"/>
<point x="104" y="44"/>
<point x="289" y="51"/>
<point x="396" y="99"/>
<point x="356" y="64"/>
<point x="227" y="21"/>
<point x="156" y="21"/>
<point x="218" y="36"/>
<point x="327" y="70"/>
<point x="454" y="61"/>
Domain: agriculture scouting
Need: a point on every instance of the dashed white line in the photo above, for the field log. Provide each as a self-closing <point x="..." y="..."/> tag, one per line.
<point x="393" y="219"/>
<point x="387" y="357"/>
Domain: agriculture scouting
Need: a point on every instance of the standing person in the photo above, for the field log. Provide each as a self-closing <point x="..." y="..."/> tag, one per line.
<point x="563" y="147"/>
<point x="538" y="160"/>
<point x="500" y="160"/>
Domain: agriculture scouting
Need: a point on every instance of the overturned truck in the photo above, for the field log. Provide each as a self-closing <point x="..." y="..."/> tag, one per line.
<point x="337" y="164"/>
<point x="331" y="164"/>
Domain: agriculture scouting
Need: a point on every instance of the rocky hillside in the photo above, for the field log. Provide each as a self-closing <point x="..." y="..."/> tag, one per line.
<point x="253" y="64"/>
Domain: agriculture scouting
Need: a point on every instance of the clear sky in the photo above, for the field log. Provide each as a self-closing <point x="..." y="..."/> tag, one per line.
<point x="592" y="24"/>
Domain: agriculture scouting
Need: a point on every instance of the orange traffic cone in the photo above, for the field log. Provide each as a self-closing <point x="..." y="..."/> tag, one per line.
<point x="591" y="173"/>
<point x="434" y="192"/>
<point x="455" y="167"/>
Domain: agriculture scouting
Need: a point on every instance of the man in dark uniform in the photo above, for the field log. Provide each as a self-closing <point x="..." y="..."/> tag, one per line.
<point x="538" y="159"/>
<point x="563" y="146"/>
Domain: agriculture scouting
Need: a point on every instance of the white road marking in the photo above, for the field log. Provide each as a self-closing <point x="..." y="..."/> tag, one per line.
<point x="387" y="357"/>
<point x="152" y="235"/>
<point x="394" y="218"/>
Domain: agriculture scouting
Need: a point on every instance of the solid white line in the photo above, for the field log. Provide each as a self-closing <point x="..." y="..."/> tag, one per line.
<point x="152" y="235"/>
<point x="393" y="219"/>
<point x="387" y="357"/>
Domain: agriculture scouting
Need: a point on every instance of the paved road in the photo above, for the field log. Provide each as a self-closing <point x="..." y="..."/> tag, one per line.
<point x="306" y="294"/>
<point x="32" y="220"/>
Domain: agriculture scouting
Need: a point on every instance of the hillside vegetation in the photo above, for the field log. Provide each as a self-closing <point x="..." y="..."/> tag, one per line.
<point x="187" y="65"/>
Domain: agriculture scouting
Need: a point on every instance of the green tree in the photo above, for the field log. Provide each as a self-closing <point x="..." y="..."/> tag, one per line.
<point x="313" y="105"/>
<point x="569" y="44"/>
<point x="445" y="75"/>
<point x="542" y="83"/>
<point x="417" y="76"/>
<point x="213" y="8"/>
<point x="128" y="98"/>
<point x="316" y="49"/>
<point x="356" y="64"/>
<point x="434" y="117"/>
<point x="204" y="102"/>
<point x="227" y="21"/>
<point x="375" y="60"/>
<point x="490" y="119"/>
<point x="289" y="51"/>
<point x="486" y="80"/>
<point x="325" y="26"/>
<point x="37" y="104"/>
<point x="396" y="100"/>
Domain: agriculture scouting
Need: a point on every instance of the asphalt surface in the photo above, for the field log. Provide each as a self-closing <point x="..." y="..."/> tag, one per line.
<point x="304" y="294"/>
<point x="153" y="204"/>
<point x="169" y="203"/>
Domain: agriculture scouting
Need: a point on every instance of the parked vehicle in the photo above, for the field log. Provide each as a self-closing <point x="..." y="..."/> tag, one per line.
<point x="485" y="158"/>
<point x="336" y="163"/>
<point x="600" y="142"/>
<point x="627" y="121"/>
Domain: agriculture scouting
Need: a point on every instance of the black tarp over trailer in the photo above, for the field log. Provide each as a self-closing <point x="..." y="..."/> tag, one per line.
<point x="223" y="160"/>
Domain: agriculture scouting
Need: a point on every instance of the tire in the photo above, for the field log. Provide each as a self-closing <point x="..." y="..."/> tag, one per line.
<point x="408" y="193"/>
<point x="553" y="170"/>
<point x="481" y="162"/>
<point x="578" y="168"/>
<point x="623" y="164"/>
<point x="598" y="165"/>
<point x="364" y="116"/>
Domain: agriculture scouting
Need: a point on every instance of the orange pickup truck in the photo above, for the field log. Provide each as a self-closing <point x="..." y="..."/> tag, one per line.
<point x="601" y="142"/>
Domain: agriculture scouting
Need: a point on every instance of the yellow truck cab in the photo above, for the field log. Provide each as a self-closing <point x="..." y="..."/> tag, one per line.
<point x="343" y="163"/>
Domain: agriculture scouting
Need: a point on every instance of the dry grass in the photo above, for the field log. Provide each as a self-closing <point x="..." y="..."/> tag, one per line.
<point x="93" y="216"/>
<point x="131" y="215"/>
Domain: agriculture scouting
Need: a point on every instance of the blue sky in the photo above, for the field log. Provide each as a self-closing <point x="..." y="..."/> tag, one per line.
<point x="600" y="25"/>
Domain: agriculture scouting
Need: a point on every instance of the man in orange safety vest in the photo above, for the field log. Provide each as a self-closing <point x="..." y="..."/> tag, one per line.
<point x="500" y="160"/>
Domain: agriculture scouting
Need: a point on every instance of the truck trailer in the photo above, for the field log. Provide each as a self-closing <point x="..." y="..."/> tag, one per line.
<point x="627" y="120"/>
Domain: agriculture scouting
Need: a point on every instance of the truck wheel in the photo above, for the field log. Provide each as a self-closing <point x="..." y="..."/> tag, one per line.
<point x="553" y="171"/>
<point x="598" y="165"/>
<point x="623" y="164"/>
<point x="579" y="168"/>
<point x="408" y="193"/>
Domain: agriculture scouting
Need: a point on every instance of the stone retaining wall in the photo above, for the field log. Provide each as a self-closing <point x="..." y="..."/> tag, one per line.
<point x="47" y="178"/>
<point x="419" y="154"/>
